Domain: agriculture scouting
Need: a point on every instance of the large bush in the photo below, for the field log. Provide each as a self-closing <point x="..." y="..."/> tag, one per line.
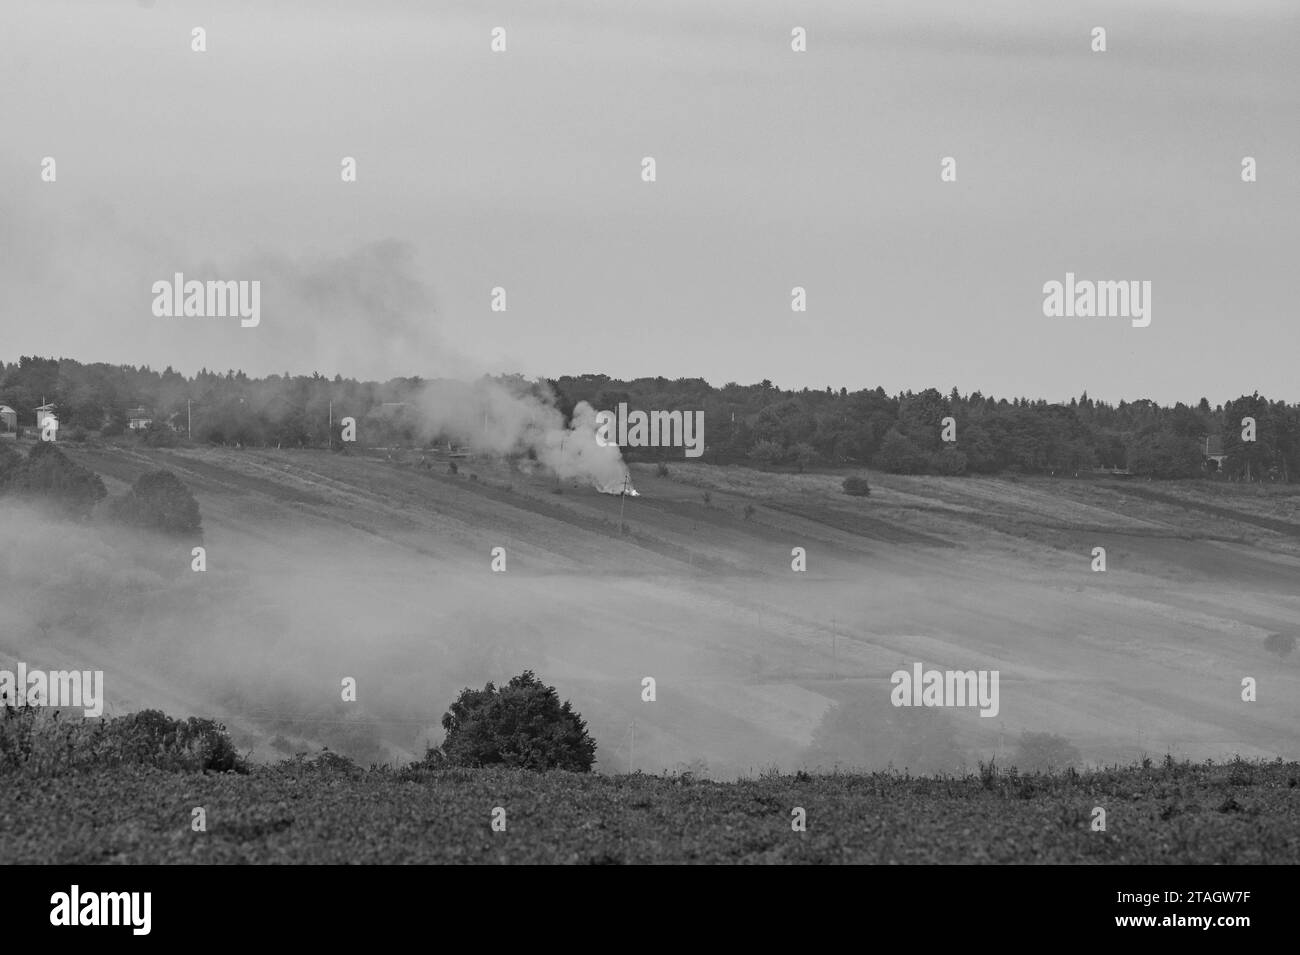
<point x="159" y="501"/>
<point x="48" y="477"/>
<point x="522" y="725"/>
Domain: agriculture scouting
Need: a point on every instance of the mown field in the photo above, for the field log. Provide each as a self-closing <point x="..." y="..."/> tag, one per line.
<point x="1175" y="813"/>
<point x="324" y="566"/>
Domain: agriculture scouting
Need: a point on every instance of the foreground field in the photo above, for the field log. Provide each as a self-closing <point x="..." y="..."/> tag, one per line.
<point x="1174" y="813"/>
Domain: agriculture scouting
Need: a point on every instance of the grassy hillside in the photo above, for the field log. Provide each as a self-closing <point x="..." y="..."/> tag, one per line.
<point x="293" y="813"/>
<point x="328" y="566"/>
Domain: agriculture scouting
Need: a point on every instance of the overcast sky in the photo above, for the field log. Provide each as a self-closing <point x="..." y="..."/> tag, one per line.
<point x="775" y="169"/>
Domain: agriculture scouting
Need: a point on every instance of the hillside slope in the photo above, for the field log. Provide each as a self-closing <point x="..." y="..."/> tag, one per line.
<point x="329" y="566"/>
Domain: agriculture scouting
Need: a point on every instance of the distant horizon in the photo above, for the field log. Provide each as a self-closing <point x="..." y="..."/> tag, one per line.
<point x="914" y="389"/>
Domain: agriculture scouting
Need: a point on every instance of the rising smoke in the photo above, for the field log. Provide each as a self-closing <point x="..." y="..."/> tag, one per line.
<point x="512" y="417"/>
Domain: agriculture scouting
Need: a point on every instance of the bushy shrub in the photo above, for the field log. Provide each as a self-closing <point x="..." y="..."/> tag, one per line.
<point x="661" y="469"/>
<point x="48" y="476"/>
<point x="159" y="501"/>
<point x="856" y="486"/>
<point x="1280" y="643"/>
<point x="1044" y="752"/>
<point x="40" y="741"/>
<point x="522" y="725"/>
<point x="153" y="737"/>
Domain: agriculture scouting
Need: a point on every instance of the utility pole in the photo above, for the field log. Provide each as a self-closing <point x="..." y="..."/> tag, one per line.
<point x="189" y="420"/>
<point x="330" y="439"/>
<point x="835" y="669"/>
<point x="622" y="501"/>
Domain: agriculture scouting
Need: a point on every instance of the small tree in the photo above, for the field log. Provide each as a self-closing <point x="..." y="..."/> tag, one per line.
<point x="159" y="501"/>
<point x="522" y="725"/>
<point x="856" y="486"/>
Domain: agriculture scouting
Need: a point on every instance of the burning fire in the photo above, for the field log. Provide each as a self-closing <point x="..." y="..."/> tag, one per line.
<point x="619" y="487"/>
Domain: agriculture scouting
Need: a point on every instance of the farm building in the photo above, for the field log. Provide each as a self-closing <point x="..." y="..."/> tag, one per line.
<point x="139" y="418"/>
<point x="8" y="422"/>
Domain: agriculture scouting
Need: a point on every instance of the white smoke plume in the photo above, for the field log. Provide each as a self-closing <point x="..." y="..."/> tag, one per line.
<point x="513" y="416"/>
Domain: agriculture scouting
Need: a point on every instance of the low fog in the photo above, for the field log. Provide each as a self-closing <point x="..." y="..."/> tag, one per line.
<point x="323" y="566"/>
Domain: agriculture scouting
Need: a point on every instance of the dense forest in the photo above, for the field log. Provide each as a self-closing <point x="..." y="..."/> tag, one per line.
<point x="758" y="423"/>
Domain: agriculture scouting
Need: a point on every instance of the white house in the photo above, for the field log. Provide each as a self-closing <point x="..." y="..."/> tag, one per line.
<point x="139" y="418"/>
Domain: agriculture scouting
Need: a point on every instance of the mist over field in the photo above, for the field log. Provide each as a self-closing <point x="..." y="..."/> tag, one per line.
<point x="323" y="566"/>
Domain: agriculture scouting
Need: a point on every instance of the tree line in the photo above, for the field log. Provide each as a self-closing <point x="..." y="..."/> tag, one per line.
<point x="757" y="423"/>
